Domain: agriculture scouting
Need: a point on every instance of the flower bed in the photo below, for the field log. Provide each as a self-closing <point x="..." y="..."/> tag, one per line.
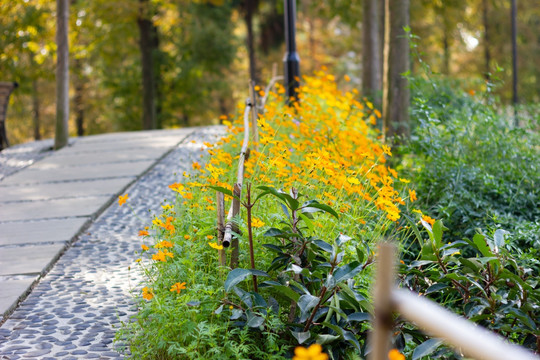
<point x="321" y="194"/>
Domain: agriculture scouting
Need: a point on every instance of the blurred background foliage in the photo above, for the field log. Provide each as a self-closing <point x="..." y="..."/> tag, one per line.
<point x="201" y="60"/>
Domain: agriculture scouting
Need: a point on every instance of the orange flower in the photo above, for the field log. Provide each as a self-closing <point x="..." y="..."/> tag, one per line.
<point x="394" y="354"/>
<point x="143" y="233"/>
<point x="196" y="166"/>
<point x="428" y="219"/>
<point x="147" y="293"/>
<point x="122" y="199"/>
<point x="314" y="352"/>
<point x="177" y="287"/>
<point x="144" y="247"/>
<point x="412" y="195"/>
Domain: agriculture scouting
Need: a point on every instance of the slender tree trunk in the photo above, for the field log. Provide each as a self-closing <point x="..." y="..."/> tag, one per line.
<point x="62" y="74"/>
<point x="148" y="80"/>
<point x="446" y="46"/>
<point x="514" y="61"/>
<point x="78" y="98"/>
<point x="396" y="60"/>
<point x="487" y="54"/>
<point x="371" y="52"/>
<point x="35" y="110"/>
<point x="156" y="57"/>
<point x="248" y="17"/>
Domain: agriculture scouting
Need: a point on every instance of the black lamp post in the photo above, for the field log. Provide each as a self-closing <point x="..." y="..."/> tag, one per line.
<point x="291" y="60"/>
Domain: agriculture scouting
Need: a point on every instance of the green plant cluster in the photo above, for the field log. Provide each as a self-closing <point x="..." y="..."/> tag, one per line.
<point x="480" y="175"/>
<point x="470" y="169"/>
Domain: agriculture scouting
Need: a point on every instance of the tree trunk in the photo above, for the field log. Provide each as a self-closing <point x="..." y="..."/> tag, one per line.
<point x="156" y="57"/>
<point x="487" y="54"/>
<point x="514" y="61"/>
<point x="248" y="17"/>
<point x="35" y="110"/>
<point x="396" y="62"/>
<point x="62" y="74"/>
<point x="446" y="45"/>
<point x="371" y="52"/>
<point x="147" y="62"/>
<point x="78" y="99"/>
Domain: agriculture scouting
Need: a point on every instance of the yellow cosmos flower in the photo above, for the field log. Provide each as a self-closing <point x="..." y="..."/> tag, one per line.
<point x="257" y="223"/>
<point x="147" y="293"/>
<point x="314" y="352"/>
<point x="122" y="199"/>
<point x="353" y="180"/>
<point x="215" y="246"/>
<point x="178" y="287"/>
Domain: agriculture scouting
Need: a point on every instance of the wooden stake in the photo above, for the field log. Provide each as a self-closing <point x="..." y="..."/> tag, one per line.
<point x="235" y="250"/>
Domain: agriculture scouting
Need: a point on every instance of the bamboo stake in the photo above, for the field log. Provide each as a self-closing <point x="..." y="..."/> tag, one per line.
<point x="220" y="205"/>
<point x="382" y="298"/>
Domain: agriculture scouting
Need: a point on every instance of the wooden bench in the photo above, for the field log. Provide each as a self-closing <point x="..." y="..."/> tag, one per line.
<point x="6" y="87"/>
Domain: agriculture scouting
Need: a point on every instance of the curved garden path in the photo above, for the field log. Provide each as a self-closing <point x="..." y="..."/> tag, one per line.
<point x="66" y="247"/>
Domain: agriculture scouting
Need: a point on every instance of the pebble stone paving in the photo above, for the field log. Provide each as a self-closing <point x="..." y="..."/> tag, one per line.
<point x="75" y="310"/>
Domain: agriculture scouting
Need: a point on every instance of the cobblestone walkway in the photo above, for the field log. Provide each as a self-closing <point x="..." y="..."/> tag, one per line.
<point x="75" y="309"/>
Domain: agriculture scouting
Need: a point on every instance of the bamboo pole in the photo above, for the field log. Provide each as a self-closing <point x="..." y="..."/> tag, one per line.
<point x="472" y="340"/>
<point x="254" y="115"/>
<point x="234" y="210"/>
<point x="220" y="206"/>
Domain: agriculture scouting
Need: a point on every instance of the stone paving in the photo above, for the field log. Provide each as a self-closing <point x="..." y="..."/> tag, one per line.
<point x="74" y="310"/>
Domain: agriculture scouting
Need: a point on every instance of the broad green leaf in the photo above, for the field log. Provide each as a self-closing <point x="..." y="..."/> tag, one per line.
<point x="301" y="336"/>
<point x="235" y="277"/>
<point x="499" y="237"/>
<point x="526" y="319"/>
<point x="336" y="328"/>
<point x="236" y="313"/>
<point x="436" y="287"/>
<point x="218" y="310"/>
<point x="359" y="316"/>
<point x="472" y="264"/>
<point x="287" y="291"/>
<point x="437" y="233"/>
<point x="426" y="348"/>
<point x="347" y="271"/>
<point x="238" y="275"/>
<point x="315" y="206"/>
<point x="342" y="239"/>
<point x="482" y="245"/>
<point x="324" y="339"/>
<point x="307" y="302"/>
<point x="307" y="221"/>
<point x="273" y="248"/>
<point x="360" y="255"/>
<point x="475" y="310"/>
<point x="255" y="321"/>
<point x="323" y="245"/>
<point x="223" y="190"/>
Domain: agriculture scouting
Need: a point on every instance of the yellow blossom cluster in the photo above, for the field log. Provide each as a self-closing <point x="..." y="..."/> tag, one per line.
<point x="323" y="142"/>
